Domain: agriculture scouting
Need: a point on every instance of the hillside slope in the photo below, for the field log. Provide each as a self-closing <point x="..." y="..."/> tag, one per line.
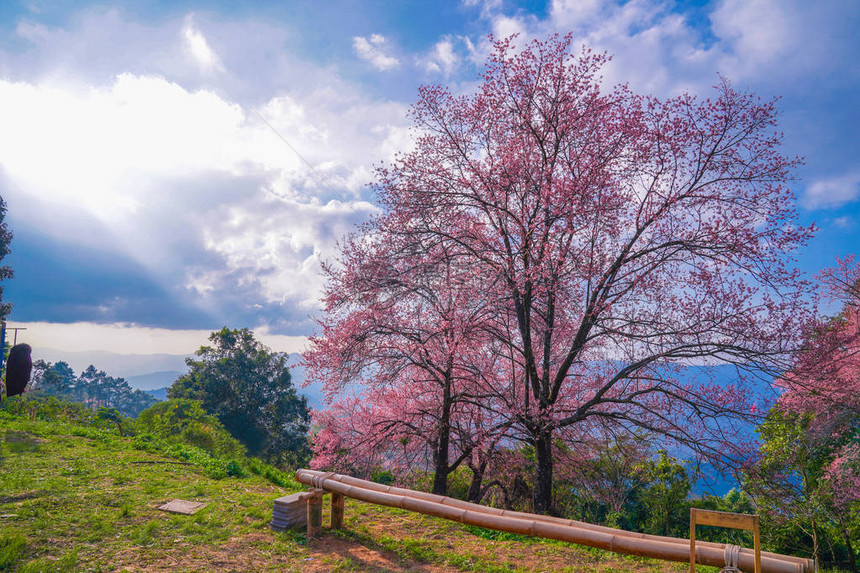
<point x="77" y="498"/>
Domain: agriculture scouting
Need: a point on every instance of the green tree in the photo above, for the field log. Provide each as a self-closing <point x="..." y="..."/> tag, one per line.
<point x="664" y="498"/>
<point x="93" y="387"/>
<point x="5" y="270"/>
<point x="249" y="388"/>
<point x="57" y="379"/>
<point x="607" y="480"/>
<point x="734" y="501"/>
<point x="113" y="416"/>
<point x="789" y="486"/>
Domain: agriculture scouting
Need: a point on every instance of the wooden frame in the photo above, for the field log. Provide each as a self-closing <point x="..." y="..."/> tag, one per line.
<point x="724" y="519"/>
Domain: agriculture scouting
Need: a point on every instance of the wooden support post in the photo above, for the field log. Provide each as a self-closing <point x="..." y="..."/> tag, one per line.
<point x="724" y="519"/>
<point x="756" y="545"/>
<point x="337" y="504"/>
<point x="315" y="514"/>
<point x="692" y="540"/>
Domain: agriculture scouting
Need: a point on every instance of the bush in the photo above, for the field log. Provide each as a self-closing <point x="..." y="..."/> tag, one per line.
<point x="382" y="476"/>
<point x="46" y="408"/>
<point x="276" y="476"/>
<point x="214" y="466"/>
<point x="185" y="421"/>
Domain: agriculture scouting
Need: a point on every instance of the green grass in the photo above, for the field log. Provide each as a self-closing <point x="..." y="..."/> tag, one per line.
<point x="74" y="497"/>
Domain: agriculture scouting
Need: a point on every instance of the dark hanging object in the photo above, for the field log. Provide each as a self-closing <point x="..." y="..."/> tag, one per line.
<point x="18" y="369"/>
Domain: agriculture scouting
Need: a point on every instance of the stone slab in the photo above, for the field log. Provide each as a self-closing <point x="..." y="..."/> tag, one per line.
<point x="182" y="506"/>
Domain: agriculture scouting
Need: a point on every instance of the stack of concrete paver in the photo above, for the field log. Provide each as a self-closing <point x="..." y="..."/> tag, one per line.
<point x="290" y="511"/>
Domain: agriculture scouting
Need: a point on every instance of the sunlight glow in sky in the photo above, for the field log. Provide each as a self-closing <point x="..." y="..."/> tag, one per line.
<point x="150" y="204"/>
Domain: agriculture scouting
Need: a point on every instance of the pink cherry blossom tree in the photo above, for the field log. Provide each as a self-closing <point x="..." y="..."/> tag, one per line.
<point x="405" y="331"/>
<point x="823" y="391"/>
<point x="607" y="239"/>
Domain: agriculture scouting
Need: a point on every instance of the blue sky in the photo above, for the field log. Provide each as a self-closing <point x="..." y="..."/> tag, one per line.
<point x="151" y="204"/>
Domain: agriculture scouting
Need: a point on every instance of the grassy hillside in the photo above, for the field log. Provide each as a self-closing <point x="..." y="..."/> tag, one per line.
<point x="75" y="497"/>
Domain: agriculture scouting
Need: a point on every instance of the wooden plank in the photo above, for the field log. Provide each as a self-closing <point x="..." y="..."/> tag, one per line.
<point x="723" y="519"/>
<point x="692" y="540"/>
<point x="757" y="546"/>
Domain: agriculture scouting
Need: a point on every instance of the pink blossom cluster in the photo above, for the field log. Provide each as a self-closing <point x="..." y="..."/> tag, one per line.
<point x="825" y="384"/>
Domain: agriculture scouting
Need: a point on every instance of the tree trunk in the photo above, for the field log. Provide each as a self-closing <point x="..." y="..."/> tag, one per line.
<point x="668" y="516"/>
<point x="543" y="473"/>
<point x="440" y="473"/>
<point x="851" y="560"/>
<point x="814" y="541"/>
<point x="474" y="494"/>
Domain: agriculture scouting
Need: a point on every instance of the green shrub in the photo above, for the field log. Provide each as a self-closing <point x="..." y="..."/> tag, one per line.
<point x="382" y="476"/>
<point x="46" y="408"/>
<point x="216" y="467"/>
<point x="276" y="476"/>
<point x="184" y="421"/>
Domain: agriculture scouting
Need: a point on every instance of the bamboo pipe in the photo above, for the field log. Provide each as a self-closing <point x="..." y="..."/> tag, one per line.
<point x="807" y="563"/>
<point x="612" y="540"/>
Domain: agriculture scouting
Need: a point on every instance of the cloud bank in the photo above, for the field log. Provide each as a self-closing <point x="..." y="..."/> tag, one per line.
<point x="146" y="188"/>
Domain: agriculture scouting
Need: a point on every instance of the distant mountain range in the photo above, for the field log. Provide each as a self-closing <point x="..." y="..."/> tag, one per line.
<point x="158" y="393"/>
<point x="154" y="380"/>
<point x="125" y="366"/>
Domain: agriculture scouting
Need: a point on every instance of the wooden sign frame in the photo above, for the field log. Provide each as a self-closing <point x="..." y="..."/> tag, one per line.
<point x="724" y="519"/>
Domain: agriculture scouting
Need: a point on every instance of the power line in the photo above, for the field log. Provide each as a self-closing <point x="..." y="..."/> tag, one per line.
<point x="312" y="168"/>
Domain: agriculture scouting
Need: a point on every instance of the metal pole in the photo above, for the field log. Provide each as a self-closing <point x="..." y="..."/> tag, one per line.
<point x="2" y="346"/>
<point x="15" y="340"/>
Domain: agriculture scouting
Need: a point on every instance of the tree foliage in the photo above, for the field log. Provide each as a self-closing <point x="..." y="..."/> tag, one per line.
<point x="185" y="421"/>
<point x="664" y="496"/>
<point x="93" y="387"/>
<point x="807" y="479"/>
<point x="591" y="243"/>
<point x="249" y="388"/>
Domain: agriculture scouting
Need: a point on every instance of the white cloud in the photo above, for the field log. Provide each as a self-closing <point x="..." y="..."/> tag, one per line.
<point x="443" y="59"/>
<point x="575" y="14"/>
<point x="195" y="188"/>
<point x="505" y="26"/>
<point x="758" y="29"/>
<point x="198" y="49"/>
<point x="785" y="41"/>
<point x="844" y="222"/>
<point x="92" y="147"/>
<point x="122" y="338"/>
<point x="832" y="192"/>
<point x="653" y="48"/>
<point x="276" y="246"/>
<point x="658" y="49"/>
<point x="373" y="50"/>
